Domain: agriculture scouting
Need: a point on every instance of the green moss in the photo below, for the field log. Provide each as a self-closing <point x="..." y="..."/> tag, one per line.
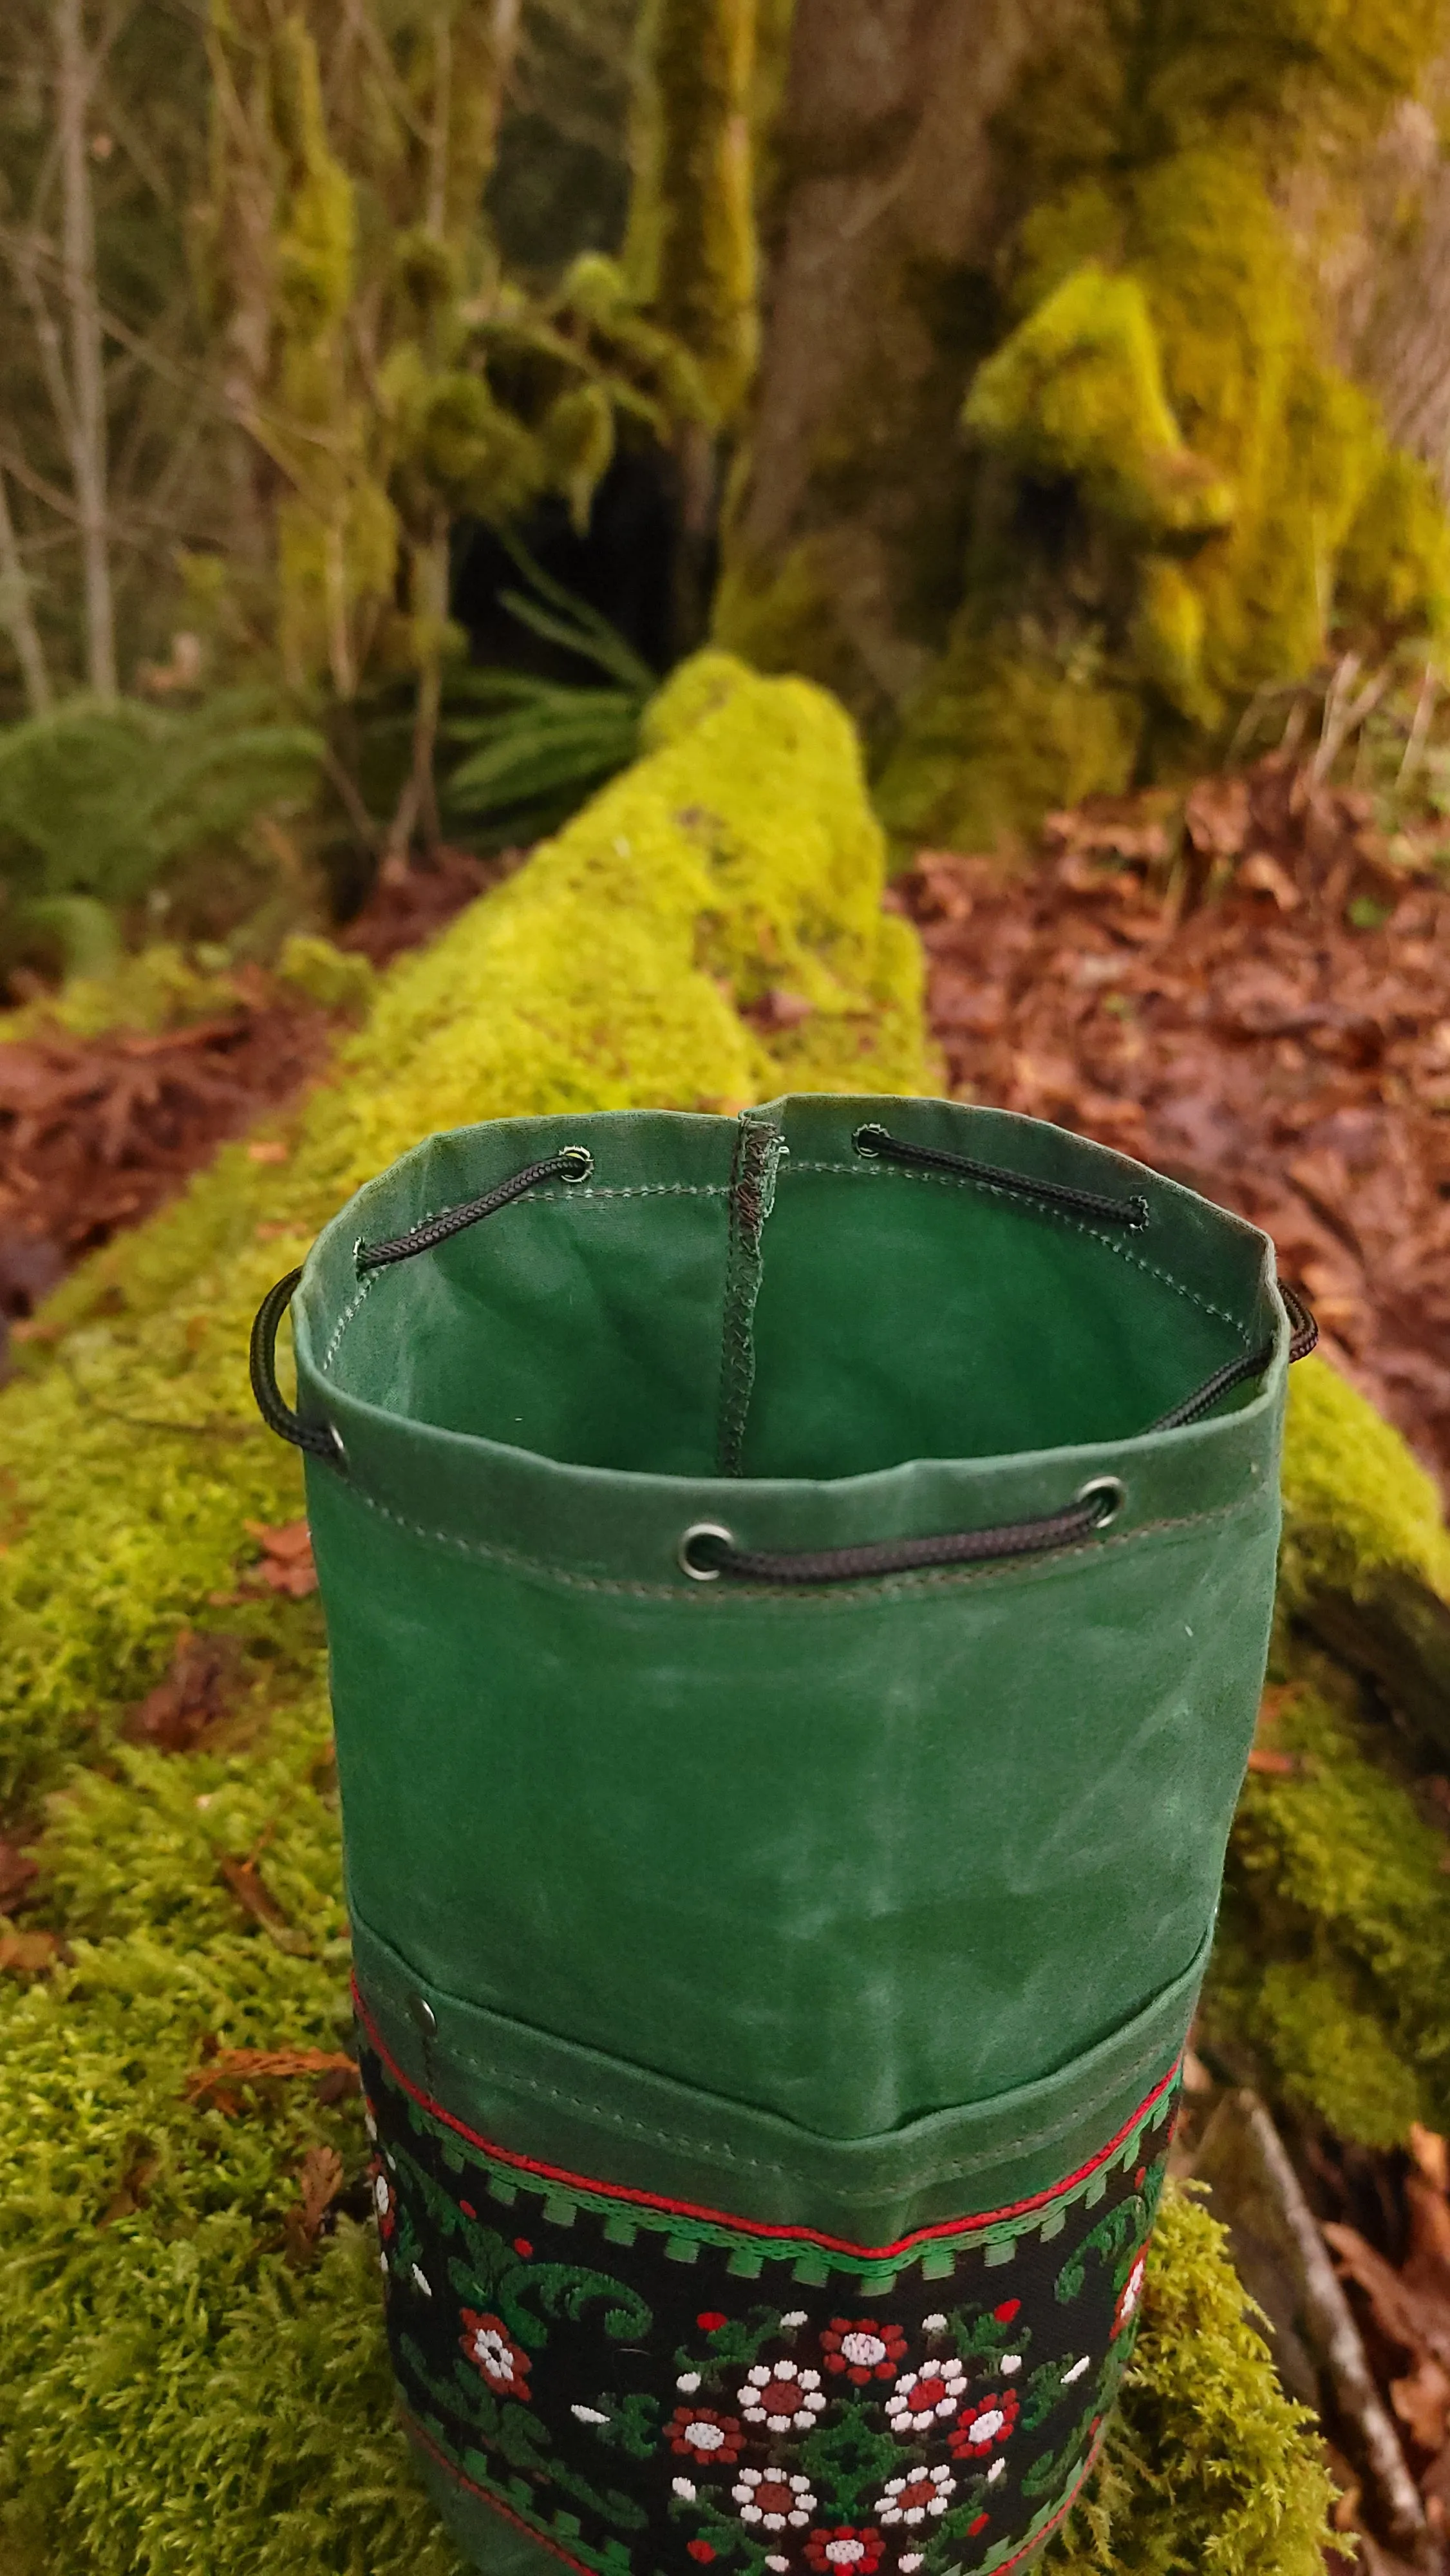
<point x="1209" y="2466"/>
<point x="1355" y="1497"/>
<point x="1006" y="728"/>
<point x="691" y="253"/>
<point x="1076" y="394"/>
<point x="1394" y="567"/>
<point x="1336" y="1924"/>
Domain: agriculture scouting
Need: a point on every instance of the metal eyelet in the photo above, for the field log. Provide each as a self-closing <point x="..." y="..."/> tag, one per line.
<point x="1110" y="1491"/>
<point x="869" y="1139"/>
<point x="339" y="1449"/>
<point x="696" y="1531"/>
<point x="578" y="1162"/>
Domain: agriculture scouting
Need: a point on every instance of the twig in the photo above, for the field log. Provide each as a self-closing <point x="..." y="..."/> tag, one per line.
<point x="1324" y="2316"/>
<point x="1420" y="729"/>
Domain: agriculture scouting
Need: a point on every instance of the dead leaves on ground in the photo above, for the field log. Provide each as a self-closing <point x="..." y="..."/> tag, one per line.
<point x="1406" y="2314"/>
<point x="1259" y="1007"/>
<point x="285" y="1565"/>
<point x="224" y="2070"/>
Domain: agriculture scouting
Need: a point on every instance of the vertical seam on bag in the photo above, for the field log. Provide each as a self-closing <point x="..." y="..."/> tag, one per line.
<point x="944" y="1181"/>
<point x="759" y="1146"/>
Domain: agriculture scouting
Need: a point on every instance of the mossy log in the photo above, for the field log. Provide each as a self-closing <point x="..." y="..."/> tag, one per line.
<point x="184" y="2387"/>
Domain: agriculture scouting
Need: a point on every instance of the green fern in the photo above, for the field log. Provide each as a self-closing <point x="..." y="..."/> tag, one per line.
<point x="538" y="747"/>
<point x="97" y="801"/>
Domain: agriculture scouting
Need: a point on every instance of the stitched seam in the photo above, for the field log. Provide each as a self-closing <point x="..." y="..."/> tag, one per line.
<point x="918" y="2179"/>
<point x="344" y="1319"/>
<point x="1059" y="1216"/>
<point x="825" y="1596"/>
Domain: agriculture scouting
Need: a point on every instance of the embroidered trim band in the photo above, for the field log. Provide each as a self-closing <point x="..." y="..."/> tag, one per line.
<point x="621" y="2382"/>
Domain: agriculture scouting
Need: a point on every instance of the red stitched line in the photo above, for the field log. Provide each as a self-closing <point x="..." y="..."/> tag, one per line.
<point x="752" y="2226"/>
<point x="527" y="2528"/>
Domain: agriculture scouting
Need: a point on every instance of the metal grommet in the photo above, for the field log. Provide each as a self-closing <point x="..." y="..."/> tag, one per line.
<point x="1110" y="1491"/>
<point x="339" y="1448"/>
<point x="696" y="1531"/>
<point x="578" y="1163"/>
<point x="424" y="2015"/>
<point x="869" y="1139"/>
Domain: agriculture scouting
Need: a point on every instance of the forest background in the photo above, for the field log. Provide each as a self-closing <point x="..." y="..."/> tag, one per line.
<point x="391" y="393"/>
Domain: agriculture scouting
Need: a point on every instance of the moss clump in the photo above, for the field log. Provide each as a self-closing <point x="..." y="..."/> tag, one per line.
<point x="1209" y="2466"/>
<point x="1335" y="1930"/>
<point x="691" y="250"/>
<point x="1355" y="1498"/>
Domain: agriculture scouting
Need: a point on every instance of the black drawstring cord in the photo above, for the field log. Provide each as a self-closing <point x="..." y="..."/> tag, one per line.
<point x="876" y="1144"/>
<point x="707" y="1551"/>
<point x="574" y="1164"/>
<point x="319" y="1439"/>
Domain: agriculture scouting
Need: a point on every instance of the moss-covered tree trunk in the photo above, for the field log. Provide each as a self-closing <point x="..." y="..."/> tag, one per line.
<point x="1052" y="465"/>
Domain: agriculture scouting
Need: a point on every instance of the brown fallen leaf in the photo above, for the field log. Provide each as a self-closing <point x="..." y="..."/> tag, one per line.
<point x="18" y="1874"/>
<point x="1431" y="2155"/>
<point x="286" y="1565"/>
<point x="233" y="2066"/>
<point x="1420" y="2400"/>
<point x="30" y="1953"/>
<point x="1278" y="1766"/>
<point x="130" y="2193"/>
<point x="252" y="1893"/>
<point x="1417" y="2320"/>
<point x="320" y="2181"/>
<point x="266" y="1149"/>
<point x="176" y="1714"/>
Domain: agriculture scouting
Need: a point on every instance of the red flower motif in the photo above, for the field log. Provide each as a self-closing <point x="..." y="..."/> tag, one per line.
<point x="979" y="2525"/>
<point x="701" y="2550"/>
<point x="698" y="2433"/>
<point x="1130" y="2293"/>
<point x="711" y="2320"/>
<point x="863" y="2349"/>
<point x="385" y="2199"/>
<point x="492" y="2350"/>
<point x="523" y="2248"/>
<point x="986" y="2424"/>
<point x="1007" y="2311"/>
<point x="845" y="2551"/>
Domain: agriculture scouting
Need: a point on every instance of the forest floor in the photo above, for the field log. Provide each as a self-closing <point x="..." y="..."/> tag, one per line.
<point x="1245" y="991"/>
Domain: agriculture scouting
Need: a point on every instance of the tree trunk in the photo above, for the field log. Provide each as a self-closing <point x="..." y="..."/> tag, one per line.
<point x="845" y="544"/>
<point x="74" y="77"/>
<point x="1051" y="465"/>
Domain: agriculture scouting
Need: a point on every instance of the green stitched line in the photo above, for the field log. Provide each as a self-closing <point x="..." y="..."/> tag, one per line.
<point x="758" y="1149"/>
<point x="811" y="2264"/>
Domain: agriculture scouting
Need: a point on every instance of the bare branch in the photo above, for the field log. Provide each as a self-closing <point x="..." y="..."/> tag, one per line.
<point x="17" y="615"/>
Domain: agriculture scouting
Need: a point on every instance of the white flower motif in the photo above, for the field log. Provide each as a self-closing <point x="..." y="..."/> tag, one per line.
<point x="934" y="2324"/>
<point x="926" y="2396"/>
<point x="382" y="2262"/>
<point x="797" y="2317"/>
<point x="912" y="2497"/>
<point x="371" y="2126"/>
<point x="591" y="2415"/>
<point x="997" y="2470"/>
<point x="781" y="2394"/>
<point x="778" y="2566"/>
<point x="1077" y="2370"/>
<point x="382" y="2196"/>
<point x="909" y="2562"/>
<point x="1010" y="2362"/>
<point x="489" y="2346"/>
<point x="688" y="2382"/>
<point x="684" y="2488"/>
<point x="773" y="2498"/>
<point x="422" y="2282"/>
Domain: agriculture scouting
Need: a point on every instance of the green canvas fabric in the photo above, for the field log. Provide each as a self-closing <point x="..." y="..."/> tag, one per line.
<point x="861" y="1916"/>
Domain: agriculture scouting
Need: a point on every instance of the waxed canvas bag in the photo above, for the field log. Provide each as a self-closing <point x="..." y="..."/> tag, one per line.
<point x="798" y="1592"/>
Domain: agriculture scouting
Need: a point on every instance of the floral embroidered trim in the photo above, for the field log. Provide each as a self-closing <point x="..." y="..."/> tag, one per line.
<point x="642" y="2402"/>
<point x="653" y="2209"/>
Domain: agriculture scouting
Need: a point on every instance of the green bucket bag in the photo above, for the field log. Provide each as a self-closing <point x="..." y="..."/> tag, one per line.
<point x="798" y="1592"/>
